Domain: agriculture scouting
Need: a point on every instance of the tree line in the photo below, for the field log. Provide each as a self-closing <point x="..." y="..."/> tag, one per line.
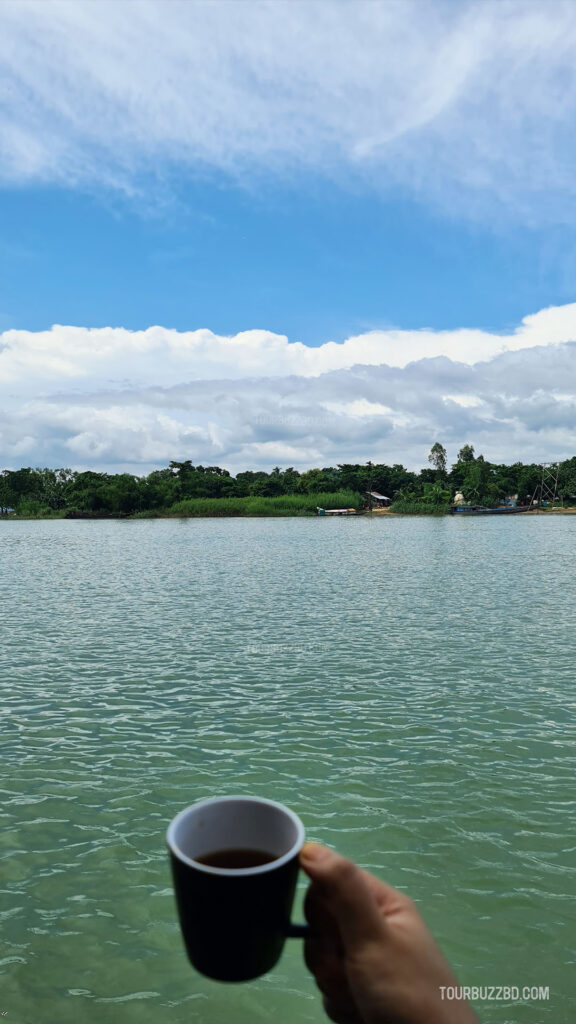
<point x="45" y="492"/>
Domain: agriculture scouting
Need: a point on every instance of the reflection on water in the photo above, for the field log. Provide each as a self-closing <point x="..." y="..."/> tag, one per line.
<point x="405" y="685"/>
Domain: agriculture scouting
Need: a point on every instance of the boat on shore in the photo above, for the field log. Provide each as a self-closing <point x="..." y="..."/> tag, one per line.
<point x="338" y="511"/>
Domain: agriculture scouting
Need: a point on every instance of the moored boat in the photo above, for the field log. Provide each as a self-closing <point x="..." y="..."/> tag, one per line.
<point x="479" y="510"/>
<point x="337" y="511"/>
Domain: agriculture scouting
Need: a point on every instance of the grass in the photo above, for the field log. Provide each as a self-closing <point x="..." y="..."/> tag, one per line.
<point x="283" y="505"/>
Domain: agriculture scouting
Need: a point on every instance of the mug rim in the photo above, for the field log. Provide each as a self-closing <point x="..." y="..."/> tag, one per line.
<point x="235" y="872"/>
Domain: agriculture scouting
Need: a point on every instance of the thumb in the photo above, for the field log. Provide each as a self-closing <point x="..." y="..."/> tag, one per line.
<point x="343" y="886"/>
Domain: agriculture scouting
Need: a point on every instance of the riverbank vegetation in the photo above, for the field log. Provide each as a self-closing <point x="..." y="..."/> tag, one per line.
<point x="283" y="505"/>
<point x="187" y="490"/>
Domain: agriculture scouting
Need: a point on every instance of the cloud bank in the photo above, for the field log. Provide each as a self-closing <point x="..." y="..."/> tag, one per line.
<point x="133" y="400"/>
<point x="470" y="105"/>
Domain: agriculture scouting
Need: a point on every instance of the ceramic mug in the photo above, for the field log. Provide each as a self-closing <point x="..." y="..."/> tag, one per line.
<point x="235" y="918"/>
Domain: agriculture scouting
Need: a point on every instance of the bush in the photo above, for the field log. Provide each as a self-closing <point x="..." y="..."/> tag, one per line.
<point x="433" y="499"/>
<point x="37" y="510"/>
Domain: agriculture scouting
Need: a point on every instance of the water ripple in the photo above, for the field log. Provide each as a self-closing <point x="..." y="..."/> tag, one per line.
<point x="406" y="686"/>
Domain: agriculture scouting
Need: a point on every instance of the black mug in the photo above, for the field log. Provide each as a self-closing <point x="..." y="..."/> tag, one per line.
<point x="235" y="864"/>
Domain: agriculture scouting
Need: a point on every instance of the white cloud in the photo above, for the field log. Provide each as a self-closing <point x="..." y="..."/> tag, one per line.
<point x="359" y="409"/>
<point x="466" y="401"/>
<point x="269" y="452"/>
<point x="466" y="104"/>
<point x="118" y="399"/>
<point x="116" y="357"/>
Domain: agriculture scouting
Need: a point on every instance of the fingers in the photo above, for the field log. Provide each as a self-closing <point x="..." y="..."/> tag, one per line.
<point x="323" y="948"/>
<point x="345" y="889"/>
<point x="324" y="945"/>
<point x="324" y="957"/>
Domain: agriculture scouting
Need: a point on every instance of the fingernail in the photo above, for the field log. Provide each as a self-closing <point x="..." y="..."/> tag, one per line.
<point x="311" y="853"/>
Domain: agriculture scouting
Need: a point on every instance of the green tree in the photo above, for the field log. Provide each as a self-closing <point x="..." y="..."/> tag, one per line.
<point x="393" y="478"/>
<point x="437" y="458"/>
<point x="567" y="481"/>
<point x="290" y="478"/>
<point x="476" y="481"/>
<point x="466" y="453"/>
<point x="21" y="484"/>
<point x="53" y="486"/>
<point x="313" y="481"/>
<point x="85" y="493"/>
<point x="430" y="498"/>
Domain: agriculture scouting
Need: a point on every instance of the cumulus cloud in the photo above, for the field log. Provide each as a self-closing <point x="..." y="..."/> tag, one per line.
<point x="466" y="104"/>
<point x="133" y="400"/>
<point x="159" y="355"/>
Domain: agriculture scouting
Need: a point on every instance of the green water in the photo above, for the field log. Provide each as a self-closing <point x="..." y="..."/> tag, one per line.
<point x="406" y="685"/>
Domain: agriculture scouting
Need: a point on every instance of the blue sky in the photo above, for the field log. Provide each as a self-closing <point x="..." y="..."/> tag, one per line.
<point x="196" y="195"/>
<point x="314" y="262"/>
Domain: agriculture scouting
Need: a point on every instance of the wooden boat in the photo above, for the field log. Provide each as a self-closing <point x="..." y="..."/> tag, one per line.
<point x="337" y="511"/>
<point x="478" y="510"/>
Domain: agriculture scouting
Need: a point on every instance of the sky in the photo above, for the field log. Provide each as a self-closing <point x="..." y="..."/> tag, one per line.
<point x="253" y="233"/>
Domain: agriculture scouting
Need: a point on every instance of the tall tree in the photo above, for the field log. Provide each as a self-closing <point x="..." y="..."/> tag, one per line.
<point x="466" y="453"/>
<point x="437" y="457"/>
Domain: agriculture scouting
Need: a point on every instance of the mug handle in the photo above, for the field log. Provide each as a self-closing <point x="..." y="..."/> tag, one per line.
<point x="298" y="931"/>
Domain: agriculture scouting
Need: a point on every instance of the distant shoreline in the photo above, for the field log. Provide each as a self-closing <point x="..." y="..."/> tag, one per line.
<point x="138" y="517"/>
<point x="184" y="490"/>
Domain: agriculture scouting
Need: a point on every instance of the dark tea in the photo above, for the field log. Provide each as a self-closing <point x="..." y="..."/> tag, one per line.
<point x="238" y="858"/>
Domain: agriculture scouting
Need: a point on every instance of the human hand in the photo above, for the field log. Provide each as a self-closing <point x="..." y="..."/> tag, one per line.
<point x="370" y="952"/>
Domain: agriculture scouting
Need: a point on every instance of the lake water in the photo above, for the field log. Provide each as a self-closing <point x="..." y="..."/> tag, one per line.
<point x="406" y="685"/>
